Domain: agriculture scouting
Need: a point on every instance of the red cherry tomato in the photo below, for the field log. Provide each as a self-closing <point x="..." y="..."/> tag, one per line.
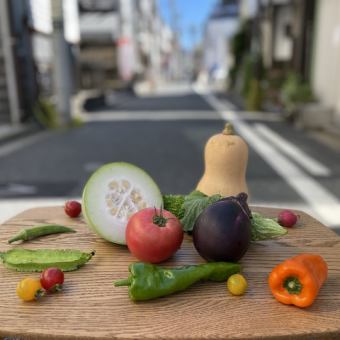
<point x="52" y="279"/>
<point x="72" y="208"/>
<point x="153" y="235"/>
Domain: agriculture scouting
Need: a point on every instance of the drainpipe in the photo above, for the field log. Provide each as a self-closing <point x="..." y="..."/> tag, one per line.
<point x="62" y="67"/>
<point x="7" y="44"/>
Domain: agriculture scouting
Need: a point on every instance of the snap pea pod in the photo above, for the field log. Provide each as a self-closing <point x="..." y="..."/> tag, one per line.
<point x="43" y="230"/>
<point x="27" y="260"/>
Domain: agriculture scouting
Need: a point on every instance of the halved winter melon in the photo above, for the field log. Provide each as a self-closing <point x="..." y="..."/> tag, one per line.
<point x="113" y="193"/>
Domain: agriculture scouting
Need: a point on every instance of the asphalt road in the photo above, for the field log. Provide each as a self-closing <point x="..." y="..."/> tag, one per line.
<point x="165" y="135"/>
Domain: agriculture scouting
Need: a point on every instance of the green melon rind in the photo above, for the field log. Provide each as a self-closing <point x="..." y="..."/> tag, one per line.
<point x="96" y="174"/>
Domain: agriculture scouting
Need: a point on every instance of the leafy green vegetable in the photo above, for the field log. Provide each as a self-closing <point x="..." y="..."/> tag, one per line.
<point x="193" y="205"/>
<point x="174" y="204"/>
<point x="188" y="208"/>
<point x="27" y="260"/>
<point x="265" y="228"/>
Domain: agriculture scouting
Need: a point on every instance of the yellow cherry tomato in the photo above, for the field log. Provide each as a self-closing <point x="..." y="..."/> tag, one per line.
<point x="29" y="289"/>
<point x="237" y="284"/>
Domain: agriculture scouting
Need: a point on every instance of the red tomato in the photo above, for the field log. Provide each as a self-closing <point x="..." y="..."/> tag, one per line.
<point x="153" y="235"/>
<point x="52" y="279"/>
<point x="72" y="208"/>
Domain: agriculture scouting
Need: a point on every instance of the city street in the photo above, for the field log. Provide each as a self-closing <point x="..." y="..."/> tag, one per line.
<point x="165" y="134"/>
<point x="107" y="107"/>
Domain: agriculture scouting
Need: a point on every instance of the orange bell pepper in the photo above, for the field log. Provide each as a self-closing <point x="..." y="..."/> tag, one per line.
<point x="297" y="281"/>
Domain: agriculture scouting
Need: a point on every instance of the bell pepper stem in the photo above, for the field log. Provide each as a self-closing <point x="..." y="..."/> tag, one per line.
<point x="293" y="285"/>
<point x="125" y="282"/>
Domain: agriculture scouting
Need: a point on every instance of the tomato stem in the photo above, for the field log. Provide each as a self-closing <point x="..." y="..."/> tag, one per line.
<point x="58" y="287"/>
<point x="159" y="219"/>
<point x="39" y="293"/>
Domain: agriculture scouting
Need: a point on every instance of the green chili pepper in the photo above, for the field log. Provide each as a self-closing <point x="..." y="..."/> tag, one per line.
<point x="148" y="281"/>
<point x="35" y="232"/>
<point x="27" y="260"/>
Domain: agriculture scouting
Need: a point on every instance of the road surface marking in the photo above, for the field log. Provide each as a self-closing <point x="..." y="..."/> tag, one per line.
<point x="310" y="164"/>
<point x="164" y="90"/>
<point x="11" y="207"/>
<point x="323" y="203"/>
<point x="16" y="145"/>
<point x="215" y="103"/>
<point x="263" y="116"/>
<point x="149" y="116"/>
<point x="106" y="116"/>
<point x="22" y="189"/>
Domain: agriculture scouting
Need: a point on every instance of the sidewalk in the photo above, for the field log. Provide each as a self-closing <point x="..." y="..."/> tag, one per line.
<point x="12" y="207"/>
<point x="9" y="132"/>
<point x="162" y="88"/>
<point x="326" y="137"/>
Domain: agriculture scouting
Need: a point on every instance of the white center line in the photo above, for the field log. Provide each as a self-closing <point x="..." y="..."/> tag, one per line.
<point x="149" y="116"/>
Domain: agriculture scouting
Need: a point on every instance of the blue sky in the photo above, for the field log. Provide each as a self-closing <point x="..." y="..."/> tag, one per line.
<point x="192" y="13"/>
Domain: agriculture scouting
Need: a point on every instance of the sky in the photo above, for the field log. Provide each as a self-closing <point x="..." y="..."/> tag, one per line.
<point x="191" y="14"/>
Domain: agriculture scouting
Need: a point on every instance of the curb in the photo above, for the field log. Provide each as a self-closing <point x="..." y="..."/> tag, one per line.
<point x="10" y="133"/>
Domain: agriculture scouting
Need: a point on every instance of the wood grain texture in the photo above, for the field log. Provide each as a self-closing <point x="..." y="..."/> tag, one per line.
<point x="92" y="308"/>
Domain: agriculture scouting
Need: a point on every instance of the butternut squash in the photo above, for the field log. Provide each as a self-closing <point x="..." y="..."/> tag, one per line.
<point x="225" y="158"/>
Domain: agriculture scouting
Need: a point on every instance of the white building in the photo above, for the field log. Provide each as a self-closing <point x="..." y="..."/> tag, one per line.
<point x="326" y="68"/>
<point x="41" y="22"/>
<point x="26" y="53"/>
<point x="248" y="8"/>
<point x="220" y="28"/>
<point x="122" y="41"/>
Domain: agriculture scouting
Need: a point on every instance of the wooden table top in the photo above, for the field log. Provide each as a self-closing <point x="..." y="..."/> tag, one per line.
<point x="90" y="307"/>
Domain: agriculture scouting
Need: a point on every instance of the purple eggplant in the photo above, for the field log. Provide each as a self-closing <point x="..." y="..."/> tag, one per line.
<point x="222" y="231"/>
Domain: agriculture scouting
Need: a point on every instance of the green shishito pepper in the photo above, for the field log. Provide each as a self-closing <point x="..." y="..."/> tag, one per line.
<point x="147" y="281"/>
<point x="43" y="230"/>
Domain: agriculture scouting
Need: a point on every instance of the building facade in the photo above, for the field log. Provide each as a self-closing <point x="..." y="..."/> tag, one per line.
<point x="26" y="54"/>
<point x="326" y="63"/>
<point x="220" y="27"/>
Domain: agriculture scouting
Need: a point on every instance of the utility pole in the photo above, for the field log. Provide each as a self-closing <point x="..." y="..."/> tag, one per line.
<point x="176" y="29"/>
<point x="7" y="46"/>
<point x="62" y="66"/>
<point x="193" y="33"/>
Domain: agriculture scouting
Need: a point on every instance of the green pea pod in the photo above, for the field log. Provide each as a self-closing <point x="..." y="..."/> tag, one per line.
<point x="35" y="232"/>
<point x="27" y="260"/>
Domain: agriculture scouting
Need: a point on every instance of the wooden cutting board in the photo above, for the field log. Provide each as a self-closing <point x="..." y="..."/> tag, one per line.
<point x="90" y="307"/>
